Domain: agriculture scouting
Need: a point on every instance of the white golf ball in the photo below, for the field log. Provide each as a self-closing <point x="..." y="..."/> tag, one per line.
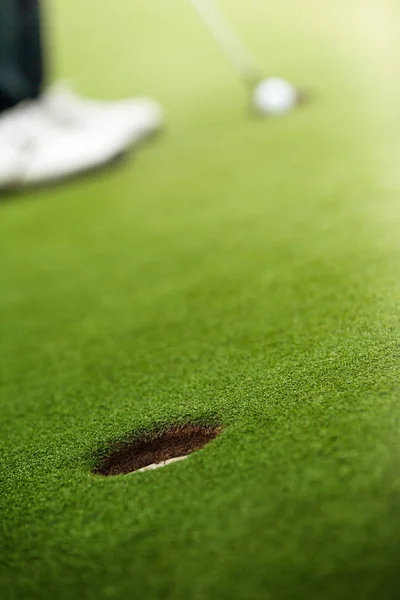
<point x="275" y="96"/>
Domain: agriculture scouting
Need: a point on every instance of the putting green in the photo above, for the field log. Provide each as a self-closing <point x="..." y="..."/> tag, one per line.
<point x="236" y="271"/>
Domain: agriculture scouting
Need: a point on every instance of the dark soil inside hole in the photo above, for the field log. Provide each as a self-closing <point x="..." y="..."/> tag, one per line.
<point x="173" y="443"/>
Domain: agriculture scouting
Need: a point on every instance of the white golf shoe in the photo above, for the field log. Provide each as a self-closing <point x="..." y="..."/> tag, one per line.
<point x="60" y="135"/>
<point x="139" y="117"/>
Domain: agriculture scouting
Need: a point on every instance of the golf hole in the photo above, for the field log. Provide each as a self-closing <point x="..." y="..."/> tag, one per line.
<point x="157" y="449"/>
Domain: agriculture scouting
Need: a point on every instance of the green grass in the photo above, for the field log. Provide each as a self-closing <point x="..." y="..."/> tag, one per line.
<point x="235" y="270"/>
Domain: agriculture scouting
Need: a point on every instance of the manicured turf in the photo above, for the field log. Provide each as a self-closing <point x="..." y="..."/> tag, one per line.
<point x="236" y="272"/>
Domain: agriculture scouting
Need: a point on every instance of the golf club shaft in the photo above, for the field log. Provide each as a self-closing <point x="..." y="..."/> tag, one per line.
<point x="227" y="39"/>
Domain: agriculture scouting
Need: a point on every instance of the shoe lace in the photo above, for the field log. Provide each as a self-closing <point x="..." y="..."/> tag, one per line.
<point x="62" y="105"/>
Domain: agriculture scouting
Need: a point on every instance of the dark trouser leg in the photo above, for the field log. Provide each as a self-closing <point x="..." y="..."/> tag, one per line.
<point x="21" y="54"/>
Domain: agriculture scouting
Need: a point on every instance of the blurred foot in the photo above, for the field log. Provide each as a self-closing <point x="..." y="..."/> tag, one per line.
<point x="60" y="135"/>
<point x="139" y="117"/>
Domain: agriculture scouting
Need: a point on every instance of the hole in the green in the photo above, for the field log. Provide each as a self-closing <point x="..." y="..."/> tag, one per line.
<point x="157" y="449"/>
